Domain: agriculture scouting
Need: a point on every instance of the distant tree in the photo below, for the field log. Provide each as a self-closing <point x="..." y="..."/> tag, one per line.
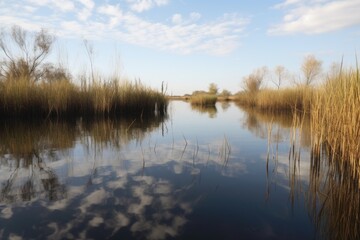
<point x="213" y="88"/>
<point x="225" y="93"/>
<point x="311" y="69"/>
<point x="254" y="81"/>
<point x="198" y="92"/>
<point x="23" y="53"/>
<point x="280" y="73"/>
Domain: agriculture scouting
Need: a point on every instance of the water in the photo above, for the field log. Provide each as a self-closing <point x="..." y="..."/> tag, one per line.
<point x="220" y="173"/>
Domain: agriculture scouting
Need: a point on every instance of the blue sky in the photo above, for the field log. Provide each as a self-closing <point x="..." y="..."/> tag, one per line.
<point x="189" y="44"/>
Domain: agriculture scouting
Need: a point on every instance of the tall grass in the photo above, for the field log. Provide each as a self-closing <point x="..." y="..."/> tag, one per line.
<point x="278" y="100"/>
<point x="335" y="118"/>
<point x="203" y="99"/>
<point x="20" y="97"/>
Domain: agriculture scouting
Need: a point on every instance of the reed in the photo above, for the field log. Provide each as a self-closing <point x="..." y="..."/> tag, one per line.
<point x="278" y="100"/>
<point x="62" y="98"/>
<point x="335" y="118"/>
<point x="204" y="100"/>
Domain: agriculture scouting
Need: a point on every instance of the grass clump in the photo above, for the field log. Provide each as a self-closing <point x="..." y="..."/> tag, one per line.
<point x="203" y="99"/>
<point x="335" y="118"/>
<point x="63" y="98"/>
<point x="278" y="100"/>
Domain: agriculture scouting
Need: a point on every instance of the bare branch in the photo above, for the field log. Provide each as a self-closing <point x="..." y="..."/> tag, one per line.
<point x="31" y="51"/>
<point x="311" y="69"/>
<point x="254" y="81"/>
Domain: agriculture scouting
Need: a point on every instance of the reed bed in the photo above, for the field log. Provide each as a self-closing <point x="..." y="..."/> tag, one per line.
<point x="278" y="100"/>
<point x="204" y="100"/>
<point x="62" y="98"/>
<point x="335" y="119"/>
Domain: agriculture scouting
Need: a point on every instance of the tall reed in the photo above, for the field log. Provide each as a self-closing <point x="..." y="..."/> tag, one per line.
<point x="278" y="100"/>
<point x="336" y="118"/>
<point x="20" y="97"/>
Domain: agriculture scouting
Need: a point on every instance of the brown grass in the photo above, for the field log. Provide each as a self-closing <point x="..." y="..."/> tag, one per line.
<point x="278" y="100"/>
<point x="204" y="100"/>
<point x="20" y="97"/>
<point x="335" y="118"/>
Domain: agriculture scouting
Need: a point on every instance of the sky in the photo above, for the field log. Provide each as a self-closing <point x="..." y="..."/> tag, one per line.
<point x="189" y="44"/>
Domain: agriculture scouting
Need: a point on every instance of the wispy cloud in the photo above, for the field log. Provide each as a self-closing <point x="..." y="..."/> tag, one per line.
<point x="86" y="11"/>
<point x="144" y="5"/>
<point x="64" y="5"/>
<point x="316" y="16"/>
<point x="84" y="19"/>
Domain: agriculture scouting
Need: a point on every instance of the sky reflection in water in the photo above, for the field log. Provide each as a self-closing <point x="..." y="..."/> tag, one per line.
<point x="198" y="174"/>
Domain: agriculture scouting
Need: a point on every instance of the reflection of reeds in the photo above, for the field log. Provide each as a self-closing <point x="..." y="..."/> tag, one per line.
<point x="28" y="148"/>
<point x="225" y="151"/>
<point x="333" y="197"/>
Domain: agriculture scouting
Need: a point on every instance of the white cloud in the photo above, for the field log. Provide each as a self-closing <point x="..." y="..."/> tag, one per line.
<point x="194" y="16"/>
<point x="89" y="4"/>
<point x="9" y="21"/>
<point x="64" y="5"/>
<point x="183" y="35"/>
<point x="316" y="16"/>
<point x="110" y="10"/>
<point x="86" y="11"/>
<point x="84" y="14"/>
<point x="176" y="18"/>
<point x="144" y="5"/>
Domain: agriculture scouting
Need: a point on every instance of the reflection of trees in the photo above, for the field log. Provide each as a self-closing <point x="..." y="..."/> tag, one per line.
<point x="225" y="105"/>
<point x="29" y="149"/>
<point x="27" y="182"/>
<point x="211" y="110"/>
<point x="26" y="148"/>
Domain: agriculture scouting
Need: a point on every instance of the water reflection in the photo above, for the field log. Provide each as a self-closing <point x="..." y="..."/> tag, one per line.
<point x="29" y="149"/>
<point x="152" y="179"/>
<point x="259" y="122"/>
<point x="225" y="105"/>
<point x="334" y="197"/>
<point x="331" y="193"/>
<point x="210" y="110"/>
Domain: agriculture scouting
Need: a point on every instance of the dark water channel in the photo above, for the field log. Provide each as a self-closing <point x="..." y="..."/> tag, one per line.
<point x="219" y="173"/>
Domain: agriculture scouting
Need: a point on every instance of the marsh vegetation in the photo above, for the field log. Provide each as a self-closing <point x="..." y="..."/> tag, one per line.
<point x="30" y="86"/>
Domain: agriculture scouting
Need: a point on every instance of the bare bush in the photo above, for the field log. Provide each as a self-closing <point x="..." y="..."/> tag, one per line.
<point x="23" y="54"/>
<point x="254" y="81"/>
<point x="311" y="69"/>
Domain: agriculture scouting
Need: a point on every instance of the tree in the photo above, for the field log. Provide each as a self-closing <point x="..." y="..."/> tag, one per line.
<point x="23" y="54"/>
<point x="225" y="93"/>
<point x="213" y="88"/>
<point x="280" y="73"/>
<point x="311" y="69"/>
<point x="253" y="82"/>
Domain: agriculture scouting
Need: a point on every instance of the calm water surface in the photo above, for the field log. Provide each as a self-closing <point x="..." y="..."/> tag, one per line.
<point x="219" y="173"/>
